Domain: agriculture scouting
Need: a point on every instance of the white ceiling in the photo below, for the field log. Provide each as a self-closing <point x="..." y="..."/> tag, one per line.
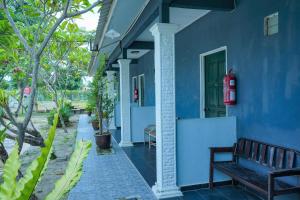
<point x="124" y="13"/>
<point x="122" y="19"/>
<point x="181" y="16"/>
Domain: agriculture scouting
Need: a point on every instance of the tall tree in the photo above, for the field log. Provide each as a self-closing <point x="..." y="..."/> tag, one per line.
<point x="40" y="20"/>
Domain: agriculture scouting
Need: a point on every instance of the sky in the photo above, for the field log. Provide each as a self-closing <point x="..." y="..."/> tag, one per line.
<point x="89" y="21"/>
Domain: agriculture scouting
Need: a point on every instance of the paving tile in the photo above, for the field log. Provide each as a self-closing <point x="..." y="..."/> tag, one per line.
<point x="236" y="193"/>
<point x="144" y="160"/>
<point x="206" y="191"/>
<point x="213" y="197"/>
<point x="192" y="195"/>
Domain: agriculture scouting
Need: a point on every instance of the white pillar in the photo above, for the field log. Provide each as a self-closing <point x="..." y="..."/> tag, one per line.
<point x="111" y="93"/>
<point x="164" y="39"/>
<point x="125" y="102"/>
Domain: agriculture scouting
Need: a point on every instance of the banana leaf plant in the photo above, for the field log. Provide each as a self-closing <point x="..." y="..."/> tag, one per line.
<point x="22" y="189"/>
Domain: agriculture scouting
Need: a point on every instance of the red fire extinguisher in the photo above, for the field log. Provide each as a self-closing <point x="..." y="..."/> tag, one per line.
<point x="136" y="95"/>
<point x="229" y="88"/>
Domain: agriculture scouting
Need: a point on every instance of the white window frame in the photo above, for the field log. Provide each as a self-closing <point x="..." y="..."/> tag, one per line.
<point x="134" y="78"/>
<point x="202" y="78"/>
<point x="139" y="88"/>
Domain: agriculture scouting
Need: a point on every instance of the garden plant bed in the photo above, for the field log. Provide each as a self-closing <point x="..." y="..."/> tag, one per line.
<point x="63" y="147"/>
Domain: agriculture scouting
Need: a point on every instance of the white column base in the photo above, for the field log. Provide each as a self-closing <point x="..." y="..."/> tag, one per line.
<point x="125" y="144"/>
<point x="172" y="192"/>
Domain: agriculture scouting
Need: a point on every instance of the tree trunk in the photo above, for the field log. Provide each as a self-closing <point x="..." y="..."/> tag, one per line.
<point x="21" y="138"/>
<point x="3" y="153"/>
<point x="100" y="106"/>
<point x="20" y="100"/>
<point x="59" y="113"/>
<point x="31" y="101"/>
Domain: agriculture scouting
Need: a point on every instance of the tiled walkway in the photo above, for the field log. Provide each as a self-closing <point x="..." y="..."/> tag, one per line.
<point x="107" y="177"/>
<point x="144" y="160"/>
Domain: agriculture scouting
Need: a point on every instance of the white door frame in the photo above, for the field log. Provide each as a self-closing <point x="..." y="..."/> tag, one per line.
<point x="139" y="86"/>
<point x="134" y="78"/>
<point x="202" y="77"/>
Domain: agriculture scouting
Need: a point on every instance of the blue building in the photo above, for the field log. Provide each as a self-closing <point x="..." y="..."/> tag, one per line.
<point x="174" y="53"/>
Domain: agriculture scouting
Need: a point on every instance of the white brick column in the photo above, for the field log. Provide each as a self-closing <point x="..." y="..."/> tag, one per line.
<point x="111" y="93"/>
<point x="164" y="39"/>
<point x="125" y="102"/>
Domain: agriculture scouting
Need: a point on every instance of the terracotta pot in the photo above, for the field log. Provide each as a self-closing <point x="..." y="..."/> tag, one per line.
<point x="95" y="124"/>
<point x="103" y="141"/>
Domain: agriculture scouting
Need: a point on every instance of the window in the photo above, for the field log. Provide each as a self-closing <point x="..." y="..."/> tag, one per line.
<point x="134" y="86"/>
<point x="141" y="89"/>
<point x="271" y="24"/>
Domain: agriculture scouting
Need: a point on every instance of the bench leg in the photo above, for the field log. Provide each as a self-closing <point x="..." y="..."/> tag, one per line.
<point x="270" y="197"/>
<point x="271" y="185"/>
<point x="234" y="182"/>
<point x="211" y="170"/>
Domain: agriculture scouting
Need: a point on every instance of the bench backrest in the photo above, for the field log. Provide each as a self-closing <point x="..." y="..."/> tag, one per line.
<point x="269" y="155"/>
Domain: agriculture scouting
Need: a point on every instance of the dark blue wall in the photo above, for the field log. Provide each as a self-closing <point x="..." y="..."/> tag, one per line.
<point x="145" y="66"/>
<point x="267" y="68"/>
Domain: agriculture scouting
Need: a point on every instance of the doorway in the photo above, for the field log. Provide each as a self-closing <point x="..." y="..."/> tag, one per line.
<point x="213" y="70"/>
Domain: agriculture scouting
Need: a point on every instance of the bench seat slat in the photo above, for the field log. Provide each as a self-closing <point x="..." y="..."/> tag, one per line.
<point x="290" y="159"/>
<point x="271" y="157"/>
<point x="255" y="150"/>
<point x="263" y="152"/>
<point x="248" y="149"/>
<point x="279" y="158"/>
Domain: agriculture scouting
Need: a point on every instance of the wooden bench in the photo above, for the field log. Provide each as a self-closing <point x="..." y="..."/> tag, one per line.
<point x="150" y="131"/>
<point x="280" y="162"/>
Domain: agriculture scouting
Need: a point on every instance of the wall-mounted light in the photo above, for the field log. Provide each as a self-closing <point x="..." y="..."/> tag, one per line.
<point x="135" y="52"/>
<point x="112" y="34"/>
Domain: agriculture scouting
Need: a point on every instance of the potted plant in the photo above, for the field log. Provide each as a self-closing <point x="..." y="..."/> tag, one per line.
<point x="95" y="122"/>
<point x="89" y="108"/>
<point x="104" y="108"/>
<point x="91" y="104"/>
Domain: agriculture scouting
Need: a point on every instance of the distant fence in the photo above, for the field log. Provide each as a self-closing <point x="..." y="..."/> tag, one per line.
<point x="44" y="95"/>
<point x="73" y="95"/>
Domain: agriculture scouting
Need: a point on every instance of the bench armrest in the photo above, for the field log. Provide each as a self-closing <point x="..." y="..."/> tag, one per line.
<point x="285" y="172"/>
<point x="281" y="173"/>
<point x="214" y="150"/>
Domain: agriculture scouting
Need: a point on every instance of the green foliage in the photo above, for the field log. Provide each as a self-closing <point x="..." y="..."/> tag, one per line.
<point x="10" y="173"/>
<point x="2" y="134"/>
<point x="23" y="189"/>
<point x="3" y="98"/>
<point x="90" y="107"/>
<point x="65" y="111"/>
<point x="73" y="171"/>
<point x="104" y="102"/>
<point x="11" y="189"/>
<point x="27" y="184"/>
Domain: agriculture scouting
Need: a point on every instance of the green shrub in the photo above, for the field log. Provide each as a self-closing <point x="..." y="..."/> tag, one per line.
<point x="65" y="112"/>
